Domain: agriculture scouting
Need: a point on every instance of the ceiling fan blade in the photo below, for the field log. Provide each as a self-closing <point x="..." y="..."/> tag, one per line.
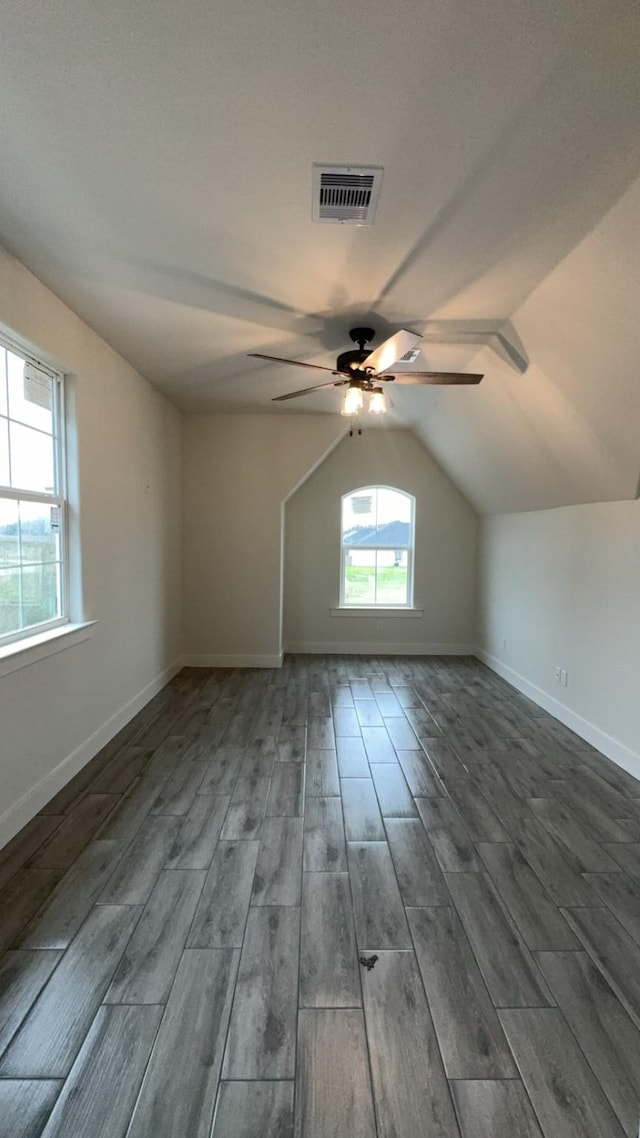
<point x="296" y="363"/>
<point x="309" y="390"/>
<point x="391" y="350"/>
<point x="434" y="377"/>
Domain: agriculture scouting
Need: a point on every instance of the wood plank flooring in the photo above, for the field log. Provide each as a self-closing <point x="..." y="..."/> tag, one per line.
<point x="185" y="928"/>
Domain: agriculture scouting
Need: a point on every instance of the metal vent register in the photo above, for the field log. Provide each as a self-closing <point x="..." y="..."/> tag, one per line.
<point x="346" y="195"/>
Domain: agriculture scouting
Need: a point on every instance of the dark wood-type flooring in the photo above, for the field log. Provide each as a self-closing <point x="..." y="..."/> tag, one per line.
<point x="181" y="926"/>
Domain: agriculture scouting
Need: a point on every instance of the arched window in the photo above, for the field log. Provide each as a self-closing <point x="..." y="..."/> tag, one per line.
<point x="377" y="548"/>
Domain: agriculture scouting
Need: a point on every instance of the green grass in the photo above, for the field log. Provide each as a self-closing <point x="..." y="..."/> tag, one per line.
<point x="391" y="585"/>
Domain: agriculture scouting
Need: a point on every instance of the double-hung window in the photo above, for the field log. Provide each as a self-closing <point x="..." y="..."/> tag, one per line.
<point x="377" y="548"/>
<point x="33" y="589"/>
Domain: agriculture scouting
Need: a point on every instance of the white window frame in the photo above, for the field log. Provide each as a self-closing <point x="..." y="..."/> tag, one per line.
<point x="58" y="499"/>
<point x="409" y="549"/>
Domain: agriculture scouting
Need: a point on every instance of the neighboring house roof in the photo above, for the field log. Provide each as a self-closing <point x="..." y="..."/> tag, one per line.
<point x="392" y="533"/>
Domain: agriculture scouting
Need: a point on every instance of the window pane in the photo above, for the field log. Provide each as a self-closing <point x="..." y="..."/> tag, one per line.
<point x="3" y="381"/>
<point x="32" y="459"/>
<point x="391" y="577"/>
<point x="376" y="517"/>
<point x="360" y="577"/>
<point x="30" y="394"/>
<point x="4" y="452"/>
<point x="40" y="593"/>
<point x="9" y="537"/>
<point x="9" y="601"/>
<point x="39" y="533"/>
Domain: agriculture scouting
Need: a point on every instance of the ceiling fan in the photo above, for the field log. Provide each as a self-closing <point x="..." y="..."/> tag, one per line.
<point x="362" y="370"/>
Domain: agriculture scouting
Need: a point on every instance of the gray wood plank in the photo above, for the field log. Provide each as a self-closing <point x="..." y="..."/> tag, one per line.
<point x="613" y="951"/>
<point x="378" y="745"/>
<point x="506" y="964"/>
<point x="346" y="723"/>
<point x="621" y="894"/>
<point x="333" y="1088"/>
<point x="451" y="843"/>
<point x="554" y="865"/>
<point x="25" y="1105"/>
<point x="322" y="774"/>
<point x="495" y="788"/>
<point x="362" y="818"/>
<point x="286" y="794"/>
<point x="17" y="852"/>
<point x="565" y="1093"/>
<point x="480" y="821"/>
<point x="389" y="704"/>
<point x="328" y="955"/>
<point x="538" y="920"/>
<point x="590" y="809"/>
<point x="319" y="702"/>
<point x="393" y="793"/>
<point x="604" y="1031"/>
<point x="492" y="1109"/>
<point x="167" y="755"/>
<point x="368" y="713"/>
<point x="324" y="841"/>
<point x="190" y="1045"/>
<point x="626" y="856"/>
<point x="127" y="765"/>
<point x="261" y="1041"/>
<point x="291" y="742"/>
<point x="254" y="1110"/>
<point x="320" y="734"/>
<point x="558" y="820"/>
<point x="22" y="978"/>
<point x="222" y="771"/>
<point x="443" y="759"/>
<point x="113" y="1056"/>
<point x="352" y="758"/>
<point x="125" y="820"/>
<point x="409" y="1086"/>
<point x="401" y="734"/>
<point x="421" y="778"/>
<point x="195" y="840"/>
<point x="59" y="919"/>
<point x="77" y="829"/>
<point x="178" y="793"/>
<point x="147" y="969"/>
<point x="23" y="895"/>
<point x="137" y="871"/>
<point x="71" y="997"/>
<point x="278" y="874"/>
<point x="379" y="912"/>
<point x="471" y="1039"/>
<point x="221" y="914"/>
<point x="246" y="811"/>
<point x="419" y="875"/>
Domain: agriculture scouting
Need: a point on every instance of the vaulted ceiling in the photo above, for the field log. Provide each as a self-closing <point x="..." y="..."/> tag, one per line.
<point x="155" y="172"/>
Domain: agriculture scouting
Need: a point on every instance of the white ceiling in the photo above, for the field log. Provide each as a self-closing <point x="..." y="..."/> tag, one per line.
<point x="155" y="172"/>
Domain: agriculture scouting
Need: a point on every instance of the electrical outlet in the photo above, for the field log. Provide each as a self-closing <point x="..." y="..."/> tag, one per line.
<point x="564" y="678"/>
<point x="504" y="642"/>
<point x="558" y="675"/>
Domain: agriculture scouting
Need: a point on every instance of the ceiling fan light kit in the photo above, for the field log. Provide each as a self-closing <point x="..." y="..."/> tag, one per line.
<point x="362" y="371"/>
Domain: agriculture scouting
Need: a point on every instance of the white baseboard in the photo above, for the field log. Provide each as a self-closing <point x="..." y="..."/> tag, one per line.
<point x="358" y="648"/>
<point x="22" y="811"/>
<point x="233" y="661"/>
<point x="607" y="744"/>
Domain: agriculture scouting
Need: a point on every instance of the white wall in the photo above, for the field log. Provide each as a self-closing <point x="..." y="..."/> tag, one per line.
<point x="63" y="709"/>
<point x="445" y="553"/>
<point x="563" y="588"/>
<point x="239" y="469"/>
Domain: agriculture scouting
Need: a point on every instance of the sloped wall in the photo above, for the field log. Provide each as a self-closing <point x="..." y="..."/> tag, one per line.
<point x="445" y="553"/>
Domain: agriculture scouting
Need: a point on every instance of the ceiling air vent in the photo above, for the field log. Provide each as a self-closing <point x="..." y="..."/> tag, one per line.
<point x="346" y="195"/>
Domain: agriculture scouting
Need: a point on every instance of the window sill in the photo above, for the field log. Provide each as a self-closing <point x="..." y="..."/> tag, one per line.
<point x="23" y="653"/>
<point x="377" y="612"/>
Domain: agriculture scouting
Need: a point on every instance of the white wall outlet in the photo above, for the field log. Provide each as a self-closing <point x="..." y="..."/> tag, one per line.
<point x="564" y="678"/>
<point x="504" y="642"/>
<point x="558" y="675"/>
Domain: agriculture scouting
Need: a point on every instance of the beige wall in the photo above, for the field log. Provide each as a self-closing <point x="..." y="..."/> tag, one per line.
<point x="239" y="469"/>
<point x="55" y="714"/>
<point x="445" y="553"/>
<point x="562" y="587"/>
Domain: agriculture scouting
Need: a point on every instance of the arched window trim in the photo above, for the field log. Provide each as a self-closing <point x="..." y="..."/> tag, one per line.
<point x="409" y="548"/>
